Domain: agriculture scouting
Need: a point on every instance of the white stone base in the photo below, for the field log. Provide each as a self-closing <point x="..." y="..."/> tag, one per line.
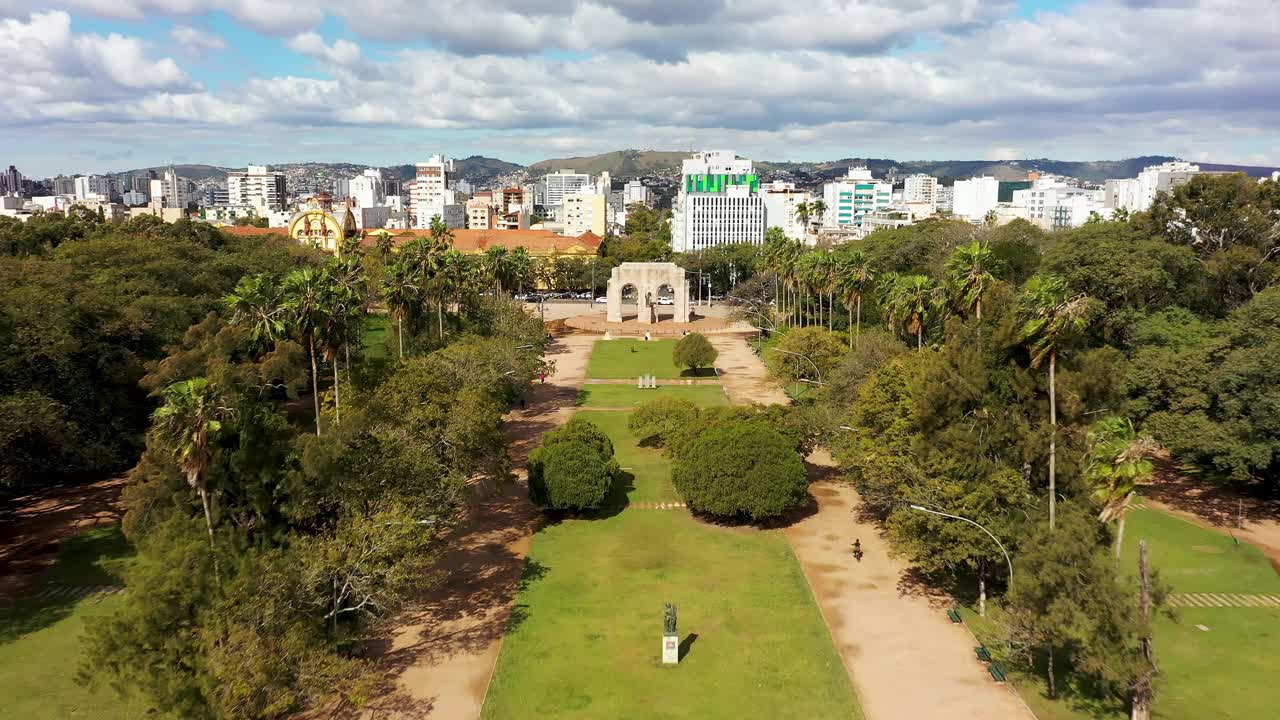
<point x="670" y="649"/>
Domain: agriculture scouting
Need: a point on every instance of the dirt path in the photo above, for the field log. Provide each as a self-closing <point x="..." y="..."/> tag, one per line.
<point x="905" y="658"/>
<point x="744" y="376"/>
<point x="442" y="653"/>
<point x="31" y="532"/>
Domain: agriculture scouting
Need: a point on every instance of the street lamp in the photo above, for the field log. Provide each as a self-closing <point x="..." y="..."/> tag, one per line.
<point x="988" y="532"/>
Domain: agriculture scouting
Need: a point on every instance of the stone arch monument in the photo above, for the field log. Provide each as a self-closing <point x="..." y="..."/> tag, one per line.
<point x="647" y="277"/>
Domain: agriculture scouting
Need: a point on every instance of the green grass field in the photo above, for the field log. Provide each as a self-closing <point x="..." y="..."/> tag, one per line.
<point x="379" y="336"/>
<point x="629" y="395"/>
<point x="40" y="640"/>
<point x="585" y="639"/>
<point x="1224" y="673"/>
<point x="630" y="359"/>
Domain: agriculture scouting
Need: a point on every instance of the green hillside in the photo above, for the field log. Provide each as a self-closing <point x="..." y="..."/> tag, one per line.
<point x="622" y="164"/>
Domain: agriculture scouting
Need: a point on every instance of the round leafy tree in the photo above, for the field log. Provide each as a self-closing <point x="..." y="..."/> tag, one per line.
<point x="573" y="468"/>
<point x="694" y="351"/>
<point x="741" y="469"/>
<point x="659" y="420"/>
<point x="574" y="476"/>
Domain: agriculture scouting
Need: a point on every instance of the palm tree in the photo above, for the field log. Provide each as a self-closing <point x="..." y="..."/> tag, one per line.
<point x="1050" y="316"/>
<point x="256" y="303"/>
<point x="1117" y="463"/>
<point x="910" y="299"/>
<point x="187" y="427"/>
<point x="971" y="270"/>
<point x="305" y="292"/>
<point x="803" y="211"/>
<point x="455" y="272"/>
<point x="520" y="268"/>
<point x="855" y="279"/>
<point x="384" y="245"/>
<point x="830" y="273"/>
<point x="401" y="288"/>
<point x="339" y="307"/>
<point x="818" y="209"/>
<point x="495" y="266"/>
<point x="809" y="271"/>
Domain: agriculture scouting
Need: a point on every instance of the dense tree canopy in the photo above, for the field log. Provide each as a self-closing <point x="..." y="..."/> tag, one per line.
<point x="741" y="469"/>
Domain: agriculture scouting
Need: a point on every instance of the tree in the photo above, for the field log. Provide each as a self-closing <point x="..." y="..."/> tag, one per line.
<point x="743" y="469"/>
<point x="854" y="279"/>
<point x="803" y="211"/>
<point x="573" y="468"/>
<point x="910" y="299"/>
<point x="1051" y="315"/>
<point x="1117" y="464"/>
<point x="187" y="427"/>
<point x="658" y="421"/>
<point x="818" y="209"/>
<point x="970" y="271"/>
<point x="694" y="351"/>
<point x="256" y="304"/>
<point x="805" y="354"/>
<point x="384" y="245"/>
<point x="401" y="290"/>
<point x="306" y="294"/>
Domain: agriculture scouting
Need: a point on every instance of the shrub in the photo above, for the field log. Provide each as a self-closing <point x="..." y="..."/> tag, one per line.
<point x="658" y="421"/>
<point x="694" y="351"/>
<point x="810" y="353"/>
<point x="741" y="469"/>
<point x="573" y="468"/>
<point x="574" y="476"/>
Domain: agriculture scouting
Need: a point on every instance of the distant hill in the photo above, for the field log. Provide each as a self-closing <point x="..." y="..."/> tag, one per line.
<point x="191" y="172"/>
<point x="620" y="164"/>
<point x="476" y="169"/>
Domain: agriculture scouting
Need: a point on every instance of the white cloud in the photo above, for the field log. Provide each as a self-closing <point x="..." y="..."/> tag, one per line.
<point x="197" y="41"/>
<point x="341" y="52"/>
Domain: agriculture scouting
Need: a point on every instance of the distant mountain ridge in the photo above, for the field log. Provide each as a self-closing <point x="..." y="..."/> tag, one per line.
<point x="630" y="164"/>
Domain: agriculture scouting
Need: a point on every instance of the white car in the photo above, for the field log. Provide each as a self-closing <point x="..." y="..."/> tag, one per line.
<point x="602" y="299"/>
<point x="666" y="301"/>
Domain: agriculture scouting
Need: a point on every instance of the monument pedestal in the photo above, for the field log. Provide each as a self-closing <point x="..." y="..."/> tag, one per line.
<point x="670" y="649"/>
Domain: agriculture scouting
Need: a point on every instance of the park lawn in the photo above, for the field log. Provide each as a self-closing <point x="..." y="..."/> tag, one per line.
<point x="1196" y="559"/>
<point x="630" y="395"/>
<point x="614" y="359"/>
<point x="40" y="640"/>
<point x="648" y="472"/>
<point x="379" y="336"/>
<point x="1224" y="673"/>
<point x="585" y="640"/>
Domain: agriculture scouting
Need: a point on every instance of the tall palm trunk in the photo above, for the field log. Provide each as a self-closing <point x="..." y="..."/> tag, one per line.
<point x="1119" y="536"/>
<point x="197" y="482"/>
<point x="831" y="309"/>
<point x="1053" y="439"/>
<point x="337" y="401"/>
<point x="400" y="332"/>
<point x="315" y="382"/>
<point x="850" y="309"/>
<point x="1142" y="694"/>
<point x="978" y="306"/>
<point x="857" y="333"/>
<point x="440" y="319"/>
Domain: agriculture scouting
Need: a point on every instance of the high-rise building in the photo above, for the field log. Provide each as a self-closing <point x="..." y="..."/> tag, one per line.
<point x="11" y="182"/>
<point x="718" y="203"/>
<point x="584" y="212"/>
<point x="635" y="192"/>
<point x="64" y="185"/>
<point x="171" y="191"/>
<point x="851" y="197"/>
<point x="1138" y="194"/>
<point x="93" y="187"/>
<point x="780" y="202"/>
<point x="432" y="194"/>
<point x="921" y="188"/>
<point x="214" y="196"/>
<point x="1055" y="204"/>
<point x="259" y="187"/>
<point x="972" y="199"/>
<point x="562" y="183"/>
<point x="368" y="189"/>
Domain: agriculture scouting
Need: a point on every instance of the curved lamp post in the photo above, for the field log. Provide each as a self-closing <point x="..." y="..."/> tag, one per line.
<point x="988" y="532"/>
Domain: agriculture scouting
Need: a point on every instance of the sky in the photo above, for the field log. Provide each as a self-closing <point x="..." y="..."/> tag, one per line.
<point x="106" y="85"/>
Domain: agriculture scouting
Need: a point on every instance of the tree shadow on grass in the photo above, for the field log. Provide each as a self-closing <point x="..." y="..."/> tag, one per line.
<point x="83" y="566"/>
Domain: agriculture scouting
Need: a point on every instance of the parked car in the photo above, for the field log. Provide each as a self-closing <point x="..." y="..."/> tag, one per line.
<point x="666" y="301"/>
<point x="602" y="299"/>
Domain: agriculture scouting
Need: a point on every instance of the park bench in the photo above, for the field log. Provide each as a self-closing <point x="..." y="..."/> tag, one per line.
<point x="997" y="672"/>
<point x="983" y="654"/>
<point x="954" y="615"/>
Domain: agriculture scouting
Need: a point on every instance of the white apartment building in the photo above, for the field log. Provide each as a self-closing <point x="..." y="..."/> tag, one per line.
<point x="170" y="192"/>
<point x="780" y="201"/>
<point x="1054" y="204"/>
<point x="432" y="194"/>
<point x="635" y="192"/>
<point x="920" y="188"/>
<point x="584" y="212"/>
<point x="134" y="198"/>
<point x="257" y="186"/>
<point x="367" y="189"/>
<point x="63" y="185"/>
<point x="93" y="187"/>
<point x="562" y="183"/>
<point x="719" y="203"/>
<point x="972" y="199"/>
<point x="1138" y="194"/>
<point x="852" y="197"/>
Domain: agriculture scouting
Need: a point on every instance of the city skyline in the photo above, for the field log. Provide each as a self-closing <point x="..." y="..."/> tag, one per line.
<point x="97" y="87"/>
